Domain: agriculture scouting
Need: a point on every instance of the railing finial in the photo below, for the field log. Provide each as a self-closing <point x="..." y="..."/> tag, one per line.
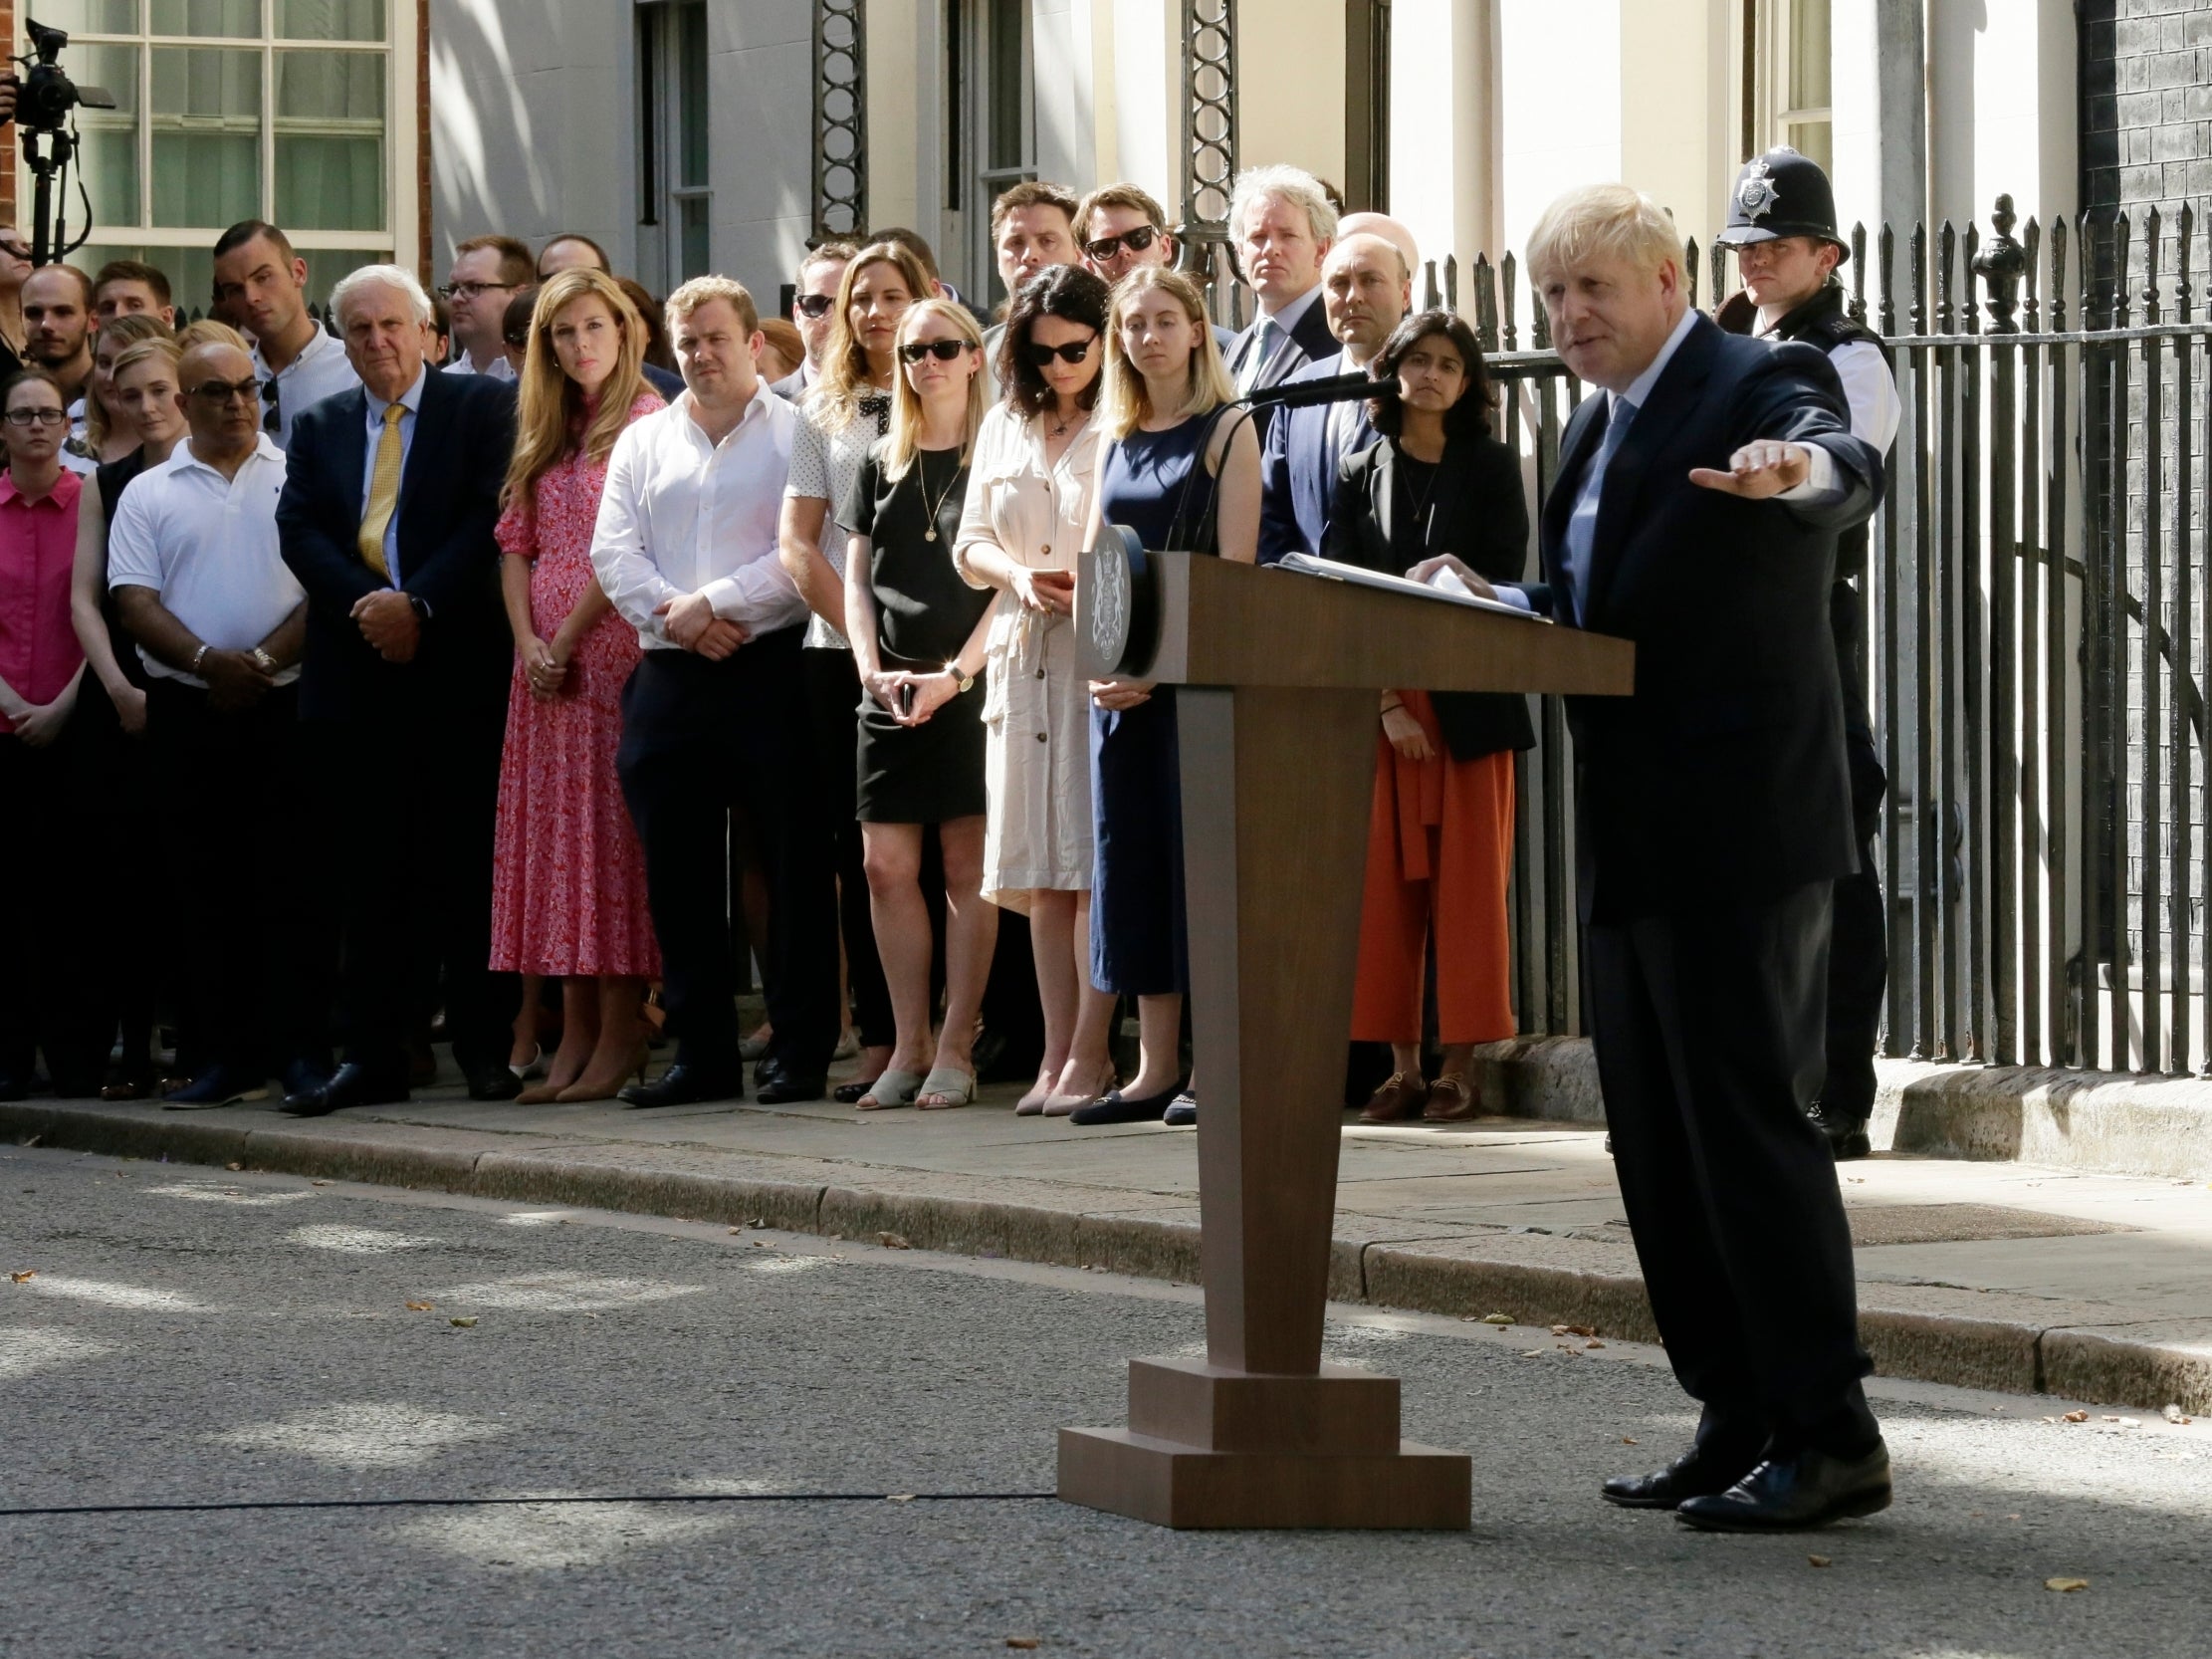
<point x="2000" y="266"/>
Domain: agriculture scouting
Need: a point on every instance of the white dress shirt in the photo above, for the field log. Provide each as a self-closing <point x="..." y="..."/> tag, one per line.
<point x="411" y="402"/>
<point x="683" y="515"/>
<point x="498" y="368"/>
<point x="207" y="546"/>
<point x="320" y="369"/>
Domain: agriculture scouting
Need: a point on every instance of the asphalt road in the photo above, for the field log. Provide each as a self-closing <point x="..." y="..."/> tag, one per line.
<point x="193" y="1337"/>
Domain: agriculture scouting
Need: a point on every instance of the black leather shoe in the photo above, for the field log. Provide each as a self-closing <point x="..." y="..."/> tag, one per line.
<point x="1847" y="1136"/>
<point x="349" y="1085"/>
<point x="773" y="1086"/>
<point x="494" y="1082"/>
<point x="1796" y="1491"/>
<point x="684" y="1085"/>
<point x="1118" y="1107"/>
<point x="1697" y="1472"/>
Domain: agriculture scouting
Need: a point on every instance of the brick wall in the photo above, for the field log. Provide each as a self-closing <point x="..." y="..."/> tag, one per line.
<point x="2146" y="102"/>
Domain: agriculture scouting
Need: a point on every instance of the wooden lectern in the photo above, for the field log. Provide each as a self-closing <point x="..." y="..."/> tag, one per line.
<point x="1279" y="677"/>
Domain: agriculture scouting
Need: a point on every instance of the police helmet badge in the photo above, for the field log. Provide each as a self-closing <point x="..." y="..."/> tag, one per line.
<point x="1755" y="191"/>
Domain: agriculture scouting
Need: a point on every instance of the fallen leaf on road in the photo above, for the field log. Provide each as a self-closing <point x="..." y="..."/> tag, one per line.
<point x="1817" y="1560"/>
<point x="318" y="1183"/>
<point x="25" y="1276"/>
<point x="2128" y="1422"/>
<point x="2066" y="1585"/>
<point x="1593" y="1343"/>
<point x="2172" y="1414"/>
<point x="2076" y="1417"/>
<point x="736" y="1230"/>
<point x="1533" y="1353"/>
<point x="1022" y="1641"/>
<point x="893" y="1241"/>
<point x="422" y="1308"/>
<point x="467" y="1323"/>
<point x="1498" y="1319"/>
<point x="234" y="1166"/>
<point x="1627" y="1440"/>
<point x="900" y="1498"/>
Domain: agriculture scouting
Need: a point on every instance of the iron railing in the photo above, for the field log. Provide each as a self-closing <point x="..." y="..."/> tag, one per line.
<point x="2036" y="640"/>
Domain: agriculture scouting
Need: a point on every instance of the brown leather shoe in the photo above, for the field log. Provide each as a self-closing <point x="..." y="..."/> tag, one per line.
<point x="1451" y="1099"/>
<point x="1398" y="1100"/>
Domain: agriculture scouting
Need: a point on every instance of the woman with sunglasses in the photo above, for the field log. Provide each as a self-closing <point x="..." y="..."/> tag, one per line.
<point x="1180" y="466"/>
<point x="917" y="636"/>
<point x="844" y="411"/>
<point x="568" y="877"/>
<point x="108" y="435"/>
<point x="110" y="778"/>
<point x="1028" y="498"/>
<point x="1438" y="487"/>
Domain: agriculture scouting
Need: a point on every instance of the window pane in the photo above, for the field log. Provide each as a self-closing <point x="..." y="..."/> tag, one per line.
<point x="1809" y="55"/>
<point x="327" y="265"/>
<point x="691" y="99"/>
<point x="1006" y="142"/>
<point x="107" y="156"/>
<point x="191" y="271"/>
<point x="86" y="17"/>
<point x="329" y="19"/>
<point x="1815" y="140"/>
<point x="692" y="212"/>
<point x="241" y="18"/>
<point x="206" y="136"/>
<point x="331" y="140"/>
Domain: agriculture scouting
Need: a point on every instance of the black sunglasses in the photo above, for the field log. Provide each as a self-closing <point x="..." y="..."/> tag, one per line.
<point x="1075" y="350"/>
<point x="814" y="306"/>
<point x="1136" y="241"/>
<point x="272" y="419"/>
<point x="222" y="392"/>
<point x="943" y="351"/>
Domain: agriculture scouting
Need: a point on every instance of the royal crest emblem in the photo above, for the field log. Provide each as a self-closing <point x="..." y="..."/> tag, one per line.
<point x="1755" y="191"/>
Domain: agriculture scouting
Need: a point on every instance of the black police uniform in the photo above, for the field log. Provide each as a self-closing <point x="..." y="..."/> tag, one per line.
<point x="1782" y="193"/>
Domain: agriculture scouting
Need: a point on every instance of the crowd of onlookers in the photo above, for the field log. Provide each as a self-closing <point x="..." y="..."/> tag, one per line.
<point x="521" y="664"/>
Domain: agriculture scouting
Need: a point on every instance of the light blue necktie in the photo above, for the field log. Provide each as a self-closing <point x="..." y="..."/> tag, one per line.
<point x="1582" y="524"/>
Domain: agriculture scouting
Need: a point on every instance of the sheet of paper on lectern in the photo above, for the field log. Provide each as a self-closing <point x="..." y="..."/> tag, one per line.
<point x="1443" y="586"/>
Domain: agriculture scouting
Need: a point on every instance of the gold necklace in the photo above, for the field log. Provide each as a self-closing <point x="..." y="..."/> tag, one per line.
<point x="1068" y="425"/>
<point x="922" y="477"/>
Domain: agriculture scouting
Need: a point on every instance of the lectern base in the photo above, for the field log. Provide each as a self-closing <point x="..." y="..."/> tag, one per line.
<point x="1174" y="1484"/>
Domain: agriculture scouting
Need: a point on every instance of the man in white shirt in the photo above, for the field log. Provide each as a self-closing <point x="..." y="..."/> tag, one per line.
<point x="488" y="271"/>
<point x="258" y="276"/>
<point x="194" y="562"/>
<point x="1284" y="223"/>
<point x="714" y="716"/>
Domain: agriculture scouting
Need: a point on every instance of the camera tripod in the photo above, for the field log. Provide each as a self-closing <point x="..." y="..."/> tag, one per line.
<point x="49" y="162"/>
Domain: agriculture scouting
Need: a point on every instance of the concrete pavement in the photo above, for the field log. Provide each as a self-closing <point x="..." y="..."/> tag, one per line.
<point x="2002" y="1276"/>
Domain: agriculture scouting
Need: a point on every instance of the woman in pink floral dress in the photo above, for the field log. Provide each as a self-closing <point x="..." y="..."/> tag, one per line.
<point x="568" y="893"/>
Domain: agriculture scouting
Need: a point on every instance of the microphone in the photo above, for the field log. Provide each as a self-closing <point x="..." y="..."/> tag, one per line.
<point x="1334" y="388"/>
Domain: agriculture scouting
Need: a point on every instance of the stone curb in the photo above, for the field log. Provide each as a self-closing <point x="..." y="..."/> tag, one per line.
<point x="2012" y="1356"/>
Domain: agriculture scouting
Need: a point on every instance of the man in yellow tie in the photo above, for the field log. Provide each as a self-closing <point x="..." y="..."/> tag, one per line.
<point x="390" y="495"/>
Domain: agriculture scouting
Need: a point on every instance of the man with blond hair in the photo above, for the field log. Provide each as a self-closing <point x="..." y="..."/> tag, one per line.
<point x="1701" y="489"/>
<point x="714" y="717"/>
<point x="1282" y="223"/>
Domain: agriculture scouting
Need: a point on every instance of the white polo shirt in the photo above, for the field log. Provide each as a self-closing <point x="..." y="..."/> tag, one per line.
<point x="321" y="369"/>
<point x="207" y="546"/>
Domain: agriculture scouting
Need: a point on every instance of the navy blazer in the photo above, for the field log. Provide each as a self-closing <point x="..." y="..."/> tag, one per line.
<point x="449" y="493"/>
<point x="1310" y="342"/>
<point x="1298" y="471"/>
<point x="1724" y="775"/>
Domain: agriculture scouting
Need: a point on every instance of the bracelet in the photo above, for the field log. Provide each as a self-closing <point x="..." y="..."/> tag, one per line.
<point x="199" y="656"/>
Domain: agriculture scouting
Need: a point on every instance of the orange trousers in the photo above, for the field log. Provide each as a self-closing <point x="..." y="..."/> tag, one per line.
<point x="1439" y="849"/>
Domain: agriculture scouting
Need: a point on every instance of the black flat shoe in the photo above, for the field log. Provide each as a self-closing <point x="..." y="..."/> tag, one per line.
<point x="494" y="1082"/>
<point x="1847" y="1136"/>
<point x="349" y="1085"/>
<point x="779" y="1087"/>
<point x="1794" y="1494"/>
<point x="1700" y="1472"/>
<point x="1118" y="1107"/>
<point x="683" y="1084"/>
<point x="846" y="1094"/>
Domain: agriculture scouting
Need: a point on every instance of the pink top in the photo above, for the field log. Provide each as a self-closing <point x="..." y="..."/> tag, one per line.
<point x="38" y="544"/>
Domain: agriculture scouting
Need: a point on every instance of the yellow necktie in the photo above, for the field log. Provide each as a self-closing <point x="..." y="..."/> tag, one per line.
<point x="383" y="493"/>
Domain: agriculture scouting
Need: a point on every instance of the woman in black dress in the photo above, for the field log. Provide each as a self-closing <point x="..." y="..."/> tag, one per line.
<point x="918" y="634"/>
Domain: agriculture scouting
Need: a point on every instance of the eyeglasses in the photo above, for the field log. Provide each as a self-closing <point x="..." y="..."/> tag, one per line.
<point x="814" y="306"/>
<point x="1075" y="350"/>
<point x="518" y="341"/>
<point x="943" y="351"/>
<point x="469" y="290"/>
<point x="24" y="419"/>
<point x="1136" y="241"/>
<point x="222" y="392"/>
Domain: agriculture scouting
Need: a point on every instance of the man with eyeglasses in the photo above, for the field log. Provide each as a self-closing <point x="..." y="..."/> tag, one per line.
<point x="487" y="272"/>
<point x="813" y="306"/>
<point x="259" y="278"/>
<point x="198" y="575"/>
<point x="1122" y="229"/>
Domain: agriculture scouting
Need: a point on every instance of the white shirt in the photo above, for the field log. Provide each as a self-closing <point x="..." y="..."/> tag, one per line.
<point x="823" y="467"/>
<point x="207" y="546"/>
<point x="320" y="369"/>
<point x="411" y="402"/>
<point x="498" y="368"/>
<point x="684" y="515"/>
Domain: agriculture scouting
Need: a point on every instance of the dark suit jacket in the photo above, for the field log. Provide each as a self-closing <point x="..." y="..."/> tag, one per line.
<point x="448" y="503"/>
<point x="1724" y="775"/>
<point x="1297" y="469"/>
<point x="669" y="383"/>
<point x="1477" y="513"/>
<point x="1310" y="342"/>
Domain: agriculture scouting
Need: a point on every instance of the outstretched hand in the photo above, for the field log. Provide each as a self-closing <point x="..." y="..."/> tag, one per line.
<point x="1758" y="470"/>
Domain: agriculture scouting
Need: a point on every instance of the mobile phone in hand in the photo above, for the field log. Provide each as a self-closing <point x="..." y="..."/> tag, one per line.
<point x="904" y="697"/>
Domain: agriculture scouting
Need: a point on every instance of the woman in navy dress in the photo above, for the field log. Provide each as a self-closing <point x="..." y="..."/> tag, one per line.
<point x="1181" y="471"/>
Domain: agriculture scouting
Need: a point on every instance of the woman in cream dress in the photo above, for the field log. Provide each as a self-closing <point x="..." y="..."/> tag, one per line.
<point x="1028" y="499"/>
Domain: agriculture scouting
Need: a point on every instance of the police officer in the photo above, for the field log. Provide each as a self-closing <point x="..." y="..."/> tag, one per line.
<point x="1782" y="226"/>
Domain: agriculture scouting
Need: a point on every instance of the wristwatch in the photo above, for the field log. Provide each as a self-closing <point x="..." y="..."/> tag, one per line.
<point x="960" y="677"/>
<point x="199" y="656"/>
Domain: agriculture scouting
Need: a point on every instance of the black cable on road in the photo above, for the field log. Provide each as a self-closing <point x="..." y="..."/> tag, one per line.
<point x="494" y="1502"/>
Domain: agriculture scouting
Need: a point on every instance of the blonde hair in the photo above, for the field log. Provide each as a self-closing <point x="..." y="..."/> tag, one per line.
<point x="551" y="404"/>
<point x="208" y="332"/>
<point x="835" y="396"/>
<point x="702" y="290"/>
<point x="1608" y="220"/>
<point x="134" y="328"/>
<point x="904" y="441"/>
<point x="160" y="345"/>
<point x="1126" y="403"/>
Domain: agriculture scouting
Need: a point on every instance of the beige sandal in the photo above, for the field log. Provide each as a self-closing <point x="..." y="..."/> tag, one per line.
<point x="944" y="1088"/>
